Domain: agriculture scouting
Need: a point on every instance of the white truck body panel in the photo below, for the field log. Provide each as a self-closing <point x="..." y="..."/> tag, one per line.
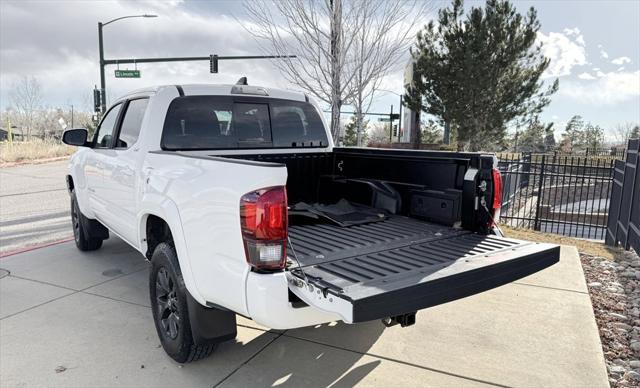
<point x="199" y="200"/>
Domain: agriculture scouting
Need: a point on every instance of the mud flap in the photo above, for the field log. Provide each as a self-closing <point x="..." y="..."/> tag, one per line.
<point x="209" y="324"/>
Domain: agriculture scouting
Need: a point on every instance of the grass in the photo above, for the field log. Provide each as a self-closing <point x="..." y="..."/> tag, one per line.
<point x="584" y="246"/>
<point x="25" y="151"/>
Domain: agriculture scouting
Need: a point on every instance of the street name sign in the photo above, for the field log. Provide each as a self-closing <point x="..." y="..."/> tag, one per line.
<point x="127" y="73"/>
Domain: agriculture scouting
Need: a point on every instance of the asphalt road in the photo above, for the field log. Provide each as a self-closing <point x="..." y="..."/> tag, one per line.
<point x="34" y="205"/>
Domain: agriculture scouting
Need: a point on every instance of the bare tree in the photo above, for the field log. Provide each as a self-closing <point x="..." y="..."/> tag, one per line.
<point x="26" y="96"/>
<point x="343" y="48"/>
<point x="387" y="31"/>
<point x="622" y="132"/>
<point x="316" y="32"/>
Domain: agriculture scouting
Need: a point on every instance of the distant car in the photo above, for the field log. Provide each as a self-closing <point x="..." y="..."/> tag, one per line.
<point x="239" y="199"/>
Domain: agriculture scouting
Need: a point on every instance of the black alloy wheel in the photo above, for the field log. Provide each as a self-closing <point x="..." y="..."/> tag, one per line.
<point x="167" y="304"/>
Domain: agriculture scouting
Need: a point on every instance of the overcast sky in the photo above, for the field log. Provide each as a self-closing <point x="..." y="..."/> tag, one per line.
<point x="594" y="48"/>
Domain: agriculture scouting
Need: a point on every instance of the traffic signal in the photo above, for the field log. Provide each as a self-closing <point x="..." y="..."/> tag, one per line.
<point x="213" y="63"/>
<point x="96" y="100"/>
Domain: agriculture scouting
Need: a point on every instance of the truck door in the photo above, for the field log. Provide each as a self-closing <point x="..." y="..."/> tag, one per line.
<point x="95" y="164"/>
<point x="120" y="172"/>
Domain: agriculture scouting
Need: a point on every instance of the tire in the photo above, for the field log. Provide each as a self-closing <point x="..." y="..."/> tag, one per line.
<point x="83" y="240"/>
<point x="169" y="306"/>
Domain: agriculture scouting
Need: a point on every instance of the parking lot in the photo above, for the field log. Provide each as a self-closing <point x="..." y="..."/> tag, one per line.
<point x="69" y="318"/>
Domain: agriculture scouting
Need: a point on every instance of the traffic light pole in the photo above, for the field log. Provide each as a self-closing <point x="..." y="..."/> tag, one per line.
<point x="212" y="58"/>
<point x="103" y="91"/>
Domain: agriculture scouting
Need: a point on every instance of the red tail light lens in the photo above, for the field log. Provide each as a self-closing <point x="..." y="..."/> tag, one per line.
<point x="263" y="218"/>
<point x="497" y="189"/>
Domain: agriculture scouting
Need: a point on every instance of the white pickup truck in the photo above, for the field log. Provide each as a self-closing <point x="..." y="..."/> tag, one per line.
<point x="239" y="199"/>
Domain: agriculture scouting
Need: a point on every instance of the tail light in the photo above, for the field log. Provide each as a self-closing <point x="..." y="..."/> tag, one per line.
<point x="497" y="189"/>
<point x="497" y="194"/>
<point x="263" y="218"/>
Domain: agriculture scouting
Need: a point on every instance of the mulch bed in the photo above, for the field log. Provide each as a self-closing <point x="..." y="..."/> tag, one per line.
<point x="614" y="286"/>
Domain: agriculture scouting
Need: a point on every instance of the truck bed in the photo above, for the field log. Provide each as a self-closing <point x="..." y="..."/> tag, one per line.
<point x="402" y="264"/>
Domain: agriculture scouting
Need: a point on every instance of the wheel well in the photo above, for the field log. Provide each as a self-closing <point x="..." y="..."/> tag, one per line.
<point x="70" y="182"/>
<point x="157" y="231"/>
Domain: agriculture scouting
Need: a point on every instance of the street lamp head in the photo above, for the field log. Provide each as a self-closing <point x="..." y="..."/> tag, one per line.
<point x="149" y="16"/>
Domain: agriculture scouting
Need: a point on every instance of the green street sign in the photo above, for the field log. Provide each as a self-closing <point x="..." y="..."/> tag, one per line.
<point x="127" y="73"/>
<point x="384" y="119"/>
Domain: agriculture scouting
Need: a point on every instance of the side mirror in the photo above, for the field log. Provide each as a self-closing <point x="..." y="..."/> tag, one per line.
<point x="75" y="137"/>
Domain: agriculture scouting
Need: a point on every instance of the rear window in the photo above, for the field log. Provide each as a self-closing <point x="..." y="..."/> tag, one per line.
<point x="219" y="122"/>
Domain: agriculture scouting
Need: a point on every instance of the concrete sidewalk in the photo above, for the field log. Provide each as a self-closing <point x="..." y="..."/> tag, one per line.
<point x="89" y="313"/>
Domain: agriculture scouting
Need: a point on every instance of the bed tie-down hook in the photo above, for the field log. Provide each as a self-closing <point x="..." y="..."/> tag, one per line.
<point x="295" y="257"/>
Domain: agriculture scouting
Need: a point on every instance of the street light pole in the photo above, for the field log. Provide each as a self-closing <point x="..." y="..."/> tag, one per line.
<point x="103" y="87"/>
<point x="103" y="92"/>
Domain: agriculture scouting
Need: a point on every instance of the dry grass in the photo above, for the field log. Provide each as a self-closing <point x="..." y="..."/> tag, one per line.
<point x="21" y="151"/>
<point x="585" y="246"/>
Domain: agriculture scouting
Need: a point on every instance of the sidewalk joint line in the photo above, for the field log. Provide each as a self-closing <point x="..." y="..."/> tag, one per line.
<point x="400" y="362"/>
<point x="551" y="288"/>
<point x="248" y="360"/>
<point x="41" y="282"/>
<point x="115" y="299"/>
<point x="69" y="294"/>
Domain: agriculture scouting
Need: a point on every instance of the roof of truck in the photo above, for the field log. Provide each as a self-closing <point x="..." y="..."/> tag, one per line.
<point x="218" y="90"/>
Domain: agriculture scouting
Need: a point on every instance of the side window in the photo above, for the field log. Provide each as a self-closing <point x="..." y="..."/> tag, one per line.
<point x="105" y="131"/>
<point x="296" y="124"/>
<point x="130" y="128"/>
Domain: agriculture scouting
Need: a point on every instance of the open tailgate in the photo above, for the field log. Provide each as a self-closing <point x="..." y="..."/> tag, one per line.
<point x="405" y="275"/>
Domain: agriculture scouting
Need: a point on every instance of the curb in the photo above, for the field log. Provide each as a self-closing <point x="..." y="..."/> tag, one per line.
<point x="35" y="161"/>
<point x="34" y="247"/>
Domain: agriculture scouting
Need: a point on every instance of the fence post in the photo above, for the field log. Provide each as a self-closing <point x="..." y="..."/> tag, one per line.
<point x="536" y="222"/>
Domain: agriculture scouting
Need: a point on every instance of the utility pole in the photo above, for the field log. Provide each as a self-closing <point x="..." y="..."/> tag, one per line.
<point x="72" y="116"/>
<point x="103" y="92"/>
<point x="391" y="125"/>
<point x="400" y="118"/>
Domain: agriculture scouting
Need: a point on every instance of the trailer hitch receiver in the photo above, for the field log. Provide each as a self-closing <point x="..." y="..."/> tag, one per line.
<point x="403" y="320"/>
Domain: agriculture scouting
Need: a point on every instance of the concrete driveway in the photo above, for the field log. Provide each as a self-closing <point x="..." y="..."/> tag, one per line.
<point x="69" y="318"/>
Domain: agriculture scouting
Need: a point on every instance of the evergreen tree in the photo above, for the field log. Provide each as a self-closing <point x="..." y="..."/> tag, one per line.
<point x="431" y="132"/>
<point x="351" y="132"/>
<point x="480" y="72"/>
<point x="635" y="133"/>
<point x="592" y="137"/>
<point x="549" y="138"/>
<point x="533" y="138"/>
<point x="573" y="133"/>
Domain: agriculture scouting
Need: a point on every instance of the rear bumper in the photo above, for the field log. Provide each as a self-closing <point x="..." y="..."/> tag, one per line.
<point x="268" y="304"/>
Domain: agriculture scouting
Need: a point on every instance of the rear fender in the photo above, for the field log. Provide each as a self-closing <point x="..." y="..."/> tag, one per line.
<point x="167" y="210"/>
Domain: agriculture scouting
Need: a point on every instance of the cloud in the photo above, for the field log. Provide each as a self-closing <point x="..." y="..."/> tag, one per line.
<point x="565" y="50"/>
<point x="610" y="88"/>
<point x="586" y="75"/>
<point x="60" y="46"/>
<point x="603" y="54"/>
<point x="621" y="61"/>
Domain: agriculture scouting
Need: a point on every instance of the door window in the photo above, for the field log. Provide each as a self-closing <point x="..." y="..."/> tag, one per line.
<point x="105" y="131"/>
<point x="130" y="128"/>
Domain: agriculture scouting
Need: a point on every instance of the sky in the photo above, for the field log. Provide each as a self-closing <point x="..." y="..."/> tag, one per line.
<point x="593" y="45"/>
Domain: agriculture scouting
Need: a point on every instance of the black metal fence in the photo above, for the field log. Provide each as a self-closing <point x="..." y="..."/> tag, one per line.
<point x="624" y="211"/>
<point x="555" y="193"/>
